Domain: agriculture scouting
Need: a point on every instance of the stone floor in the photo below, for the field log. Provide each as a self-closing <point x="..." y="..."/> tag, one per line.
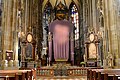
<point x="62" y="78"/>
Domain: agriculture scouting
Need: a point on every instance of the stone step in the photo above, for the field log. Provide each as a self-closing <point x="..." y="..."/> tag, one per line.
<point x="62" y="78"/>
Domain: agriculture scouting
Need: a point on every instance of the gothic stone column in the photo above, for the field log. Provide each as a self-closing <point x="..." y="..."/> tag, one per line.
<point x="39" y="29"/>
<point x="7" y="37"/>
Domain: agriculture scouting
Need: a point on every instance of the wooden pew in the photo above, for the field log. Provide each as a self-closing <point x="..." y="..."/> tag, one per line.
<point x="103" y="74"/>
<point x="7" y="77"/>
<point x="113" y="74"/>
<point x="31" y="74"/>
<point x="15" y="74"/>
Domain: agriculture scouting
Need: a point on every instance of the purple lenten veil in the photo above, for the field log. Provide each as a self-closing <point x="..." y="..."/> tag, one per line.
<point x="61" y="51"/>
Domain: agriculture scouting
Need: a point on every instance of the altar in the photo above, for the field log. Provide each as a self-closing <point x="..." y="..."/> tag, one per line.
<point x="92" y="56"/>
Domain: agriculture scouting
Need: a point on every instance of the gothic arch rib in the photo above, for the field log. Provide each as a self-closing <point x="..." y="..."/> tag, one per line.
<point x="52" y="2"/>
<point x="47" y="4"/>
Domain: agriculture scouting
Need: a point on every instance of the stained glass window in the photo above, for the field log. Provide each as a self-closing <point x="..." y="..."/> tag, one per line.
<point x="75" y="21"/>
<point x="47" y="15"/>
<point x="46" y="22"/>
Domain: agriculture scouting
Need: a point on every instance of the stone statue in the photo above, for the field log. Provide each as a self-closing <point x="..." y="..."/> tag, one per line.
<point x="49" y="36"/>
<point x="110" y="60"/>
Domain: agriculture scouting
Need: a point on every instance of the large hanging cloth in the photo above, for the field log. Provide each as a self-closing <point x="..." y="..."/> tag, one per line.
<point x="60" y="30"/>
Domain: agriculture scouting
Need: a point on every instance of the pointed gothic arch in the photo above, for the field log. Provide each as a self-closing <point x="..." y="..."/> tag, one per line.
<point x="74" y="14"/>
<point x="47" y="18"/>
<point x="74" y="18"/>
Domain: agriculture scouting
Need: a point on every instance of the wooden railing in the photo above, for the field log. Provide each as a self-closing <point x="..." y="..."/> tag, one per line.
<point x="45" y="72"/>
<point x="77" y="72"/>
<point x="67" y="72"/>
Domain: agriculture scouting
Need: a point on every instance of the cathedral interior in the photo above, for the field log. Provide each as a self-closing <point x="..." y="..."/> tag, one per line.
<point x="59" y="39"/>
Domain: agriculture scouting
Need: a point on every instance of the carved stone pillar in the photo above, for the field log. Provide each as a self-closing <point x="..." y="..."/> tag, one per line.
<point x="7" y="37"/>
<point x="94" y="15"/>
<point x="111" y="30"/>
<point x="39" y="29"/>
<point x="34" y="17"/>
<point x="9" y="29"/>
<point x="117" y="4"/>
<point x="15" y="33"/>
